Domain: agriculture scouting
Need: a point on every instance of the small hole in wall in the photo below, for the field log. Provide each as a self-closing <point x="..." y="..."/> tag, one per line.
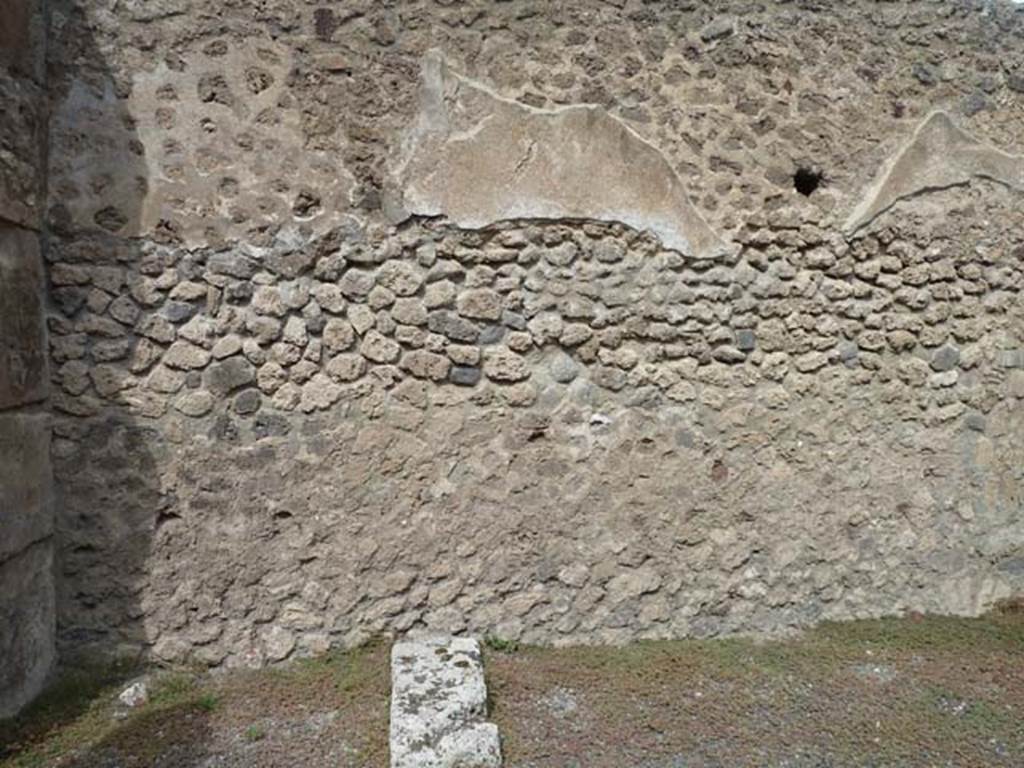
<point x="806" y="180"/>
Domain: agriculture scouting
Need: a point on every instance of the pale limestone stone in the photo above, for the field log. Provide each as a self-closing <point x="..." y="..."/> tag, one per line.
<point x="574" y="334"/>
<point x="519" y="341"/>
<point x="185" y="355"/>
<point x="295" y="293"/>
<point x="270" y="377"/>
<point x="439" y="706"/>
<point x="295" y="331"/>
<point x="285" y="354"/>
<point x="196" y="402"/>
<point x="632" y="584"/>
<point x="503" y="365"/>
<point x="346" y="367"/>
<point x="380" y="298"/>
<point x="200" y="330"/>
<point x="439" y="294"/>
<point x="135" y="695"/>
<point x="329" y="297"/>
<point x="356" y="284"/>
<point x="318" y="393"/>
<point x="265" y="329"/>
<point x="480" y="304"/>
<point x="361" y="317"/>
<point x="425" y="365"/>
<point x="287" y="397"/>
<point x="463" y="354"/>
<point x="410" y="336"/>
<point x="109" y="380"/>
<point x="409" y="311"/>
<point x="164" y="379"/>
<point x="379" y="348"/>
<point x="338" y="335"/>
<point x="158" y="329"/>
<point x="314" y="351"/>
<point x="278" y="643"/>
<point x="226" y="346"/>
<point x="266" y="300"/>
<point x="303" y="371"/>
<point x="401" y="277"/>
<point x="188" y="291"/>
<point x="520" y="395"/>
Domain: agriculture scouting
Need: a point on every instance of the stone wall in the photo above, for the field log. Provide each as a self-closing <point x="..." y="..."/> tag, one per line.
<point x="511" y="319"/>
<point x="27" y="605"/>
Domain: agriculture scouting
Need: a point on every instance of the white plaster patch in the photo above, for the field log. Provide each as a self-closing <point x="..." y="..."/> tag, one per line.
<point x="938" y="156"/>
<point x="479" y="158"/>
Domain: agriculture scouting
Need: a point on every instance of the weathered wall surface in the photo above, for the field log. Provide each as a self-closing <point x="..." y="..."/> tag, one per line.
<point x="27" y="604"/>
<point x="296" y="405"/>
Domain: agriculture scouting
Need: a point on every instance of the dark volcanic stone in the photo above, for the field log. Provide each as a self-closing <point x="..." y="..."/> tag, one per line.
<point x="228" y="375"/>
<point x="466" y="375"/>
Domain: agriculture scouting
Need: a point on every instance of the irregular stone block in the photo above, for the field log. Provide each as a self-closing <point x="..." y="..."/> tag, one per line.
<point x="14" y="32"/>
<point x="478" y="158"/>
<point x="22" y="127"/>
<point x="21" y="37"/>
<point x="425" y="365"/>
<point x="938" y="156"/>
<point x="27" y="611"/>
<point x="439" y="706"/>
<point x="26" y="515"/>
<point x="226" y="376"/>
<point x="21" y="137"/>
<point x="466" y="375"/>
<point x="22" y="354"/>
<point x="505" y="366"/>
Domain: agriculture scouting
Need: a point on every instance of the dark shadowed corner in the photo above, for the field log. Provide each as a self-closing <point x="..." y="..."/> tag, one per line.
<point x="107" y="490"/>
<point x="26" y="511"/>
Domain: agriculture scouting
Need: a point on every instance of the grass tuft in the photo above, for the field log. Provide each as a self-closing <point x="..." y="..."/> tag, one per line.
<point x="500" y="645"/>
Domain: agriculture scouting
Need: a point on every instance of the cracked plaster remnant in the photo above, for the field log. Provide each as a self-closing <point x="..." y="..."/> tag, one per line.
<point x="479" y="158"/>
<point x="939" y="156"/>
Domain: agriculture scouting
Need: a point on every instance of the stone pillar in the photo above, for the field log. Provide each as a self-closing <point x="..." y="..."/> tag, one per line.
<point x="26" y="506"/>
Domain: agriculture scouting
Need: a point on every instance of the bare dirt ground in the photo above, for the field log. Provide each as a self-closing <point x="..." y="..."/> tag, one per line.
<point x="918" y="692"/>
<point x="331" y="711"/>
<point x="928" y="692"/>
